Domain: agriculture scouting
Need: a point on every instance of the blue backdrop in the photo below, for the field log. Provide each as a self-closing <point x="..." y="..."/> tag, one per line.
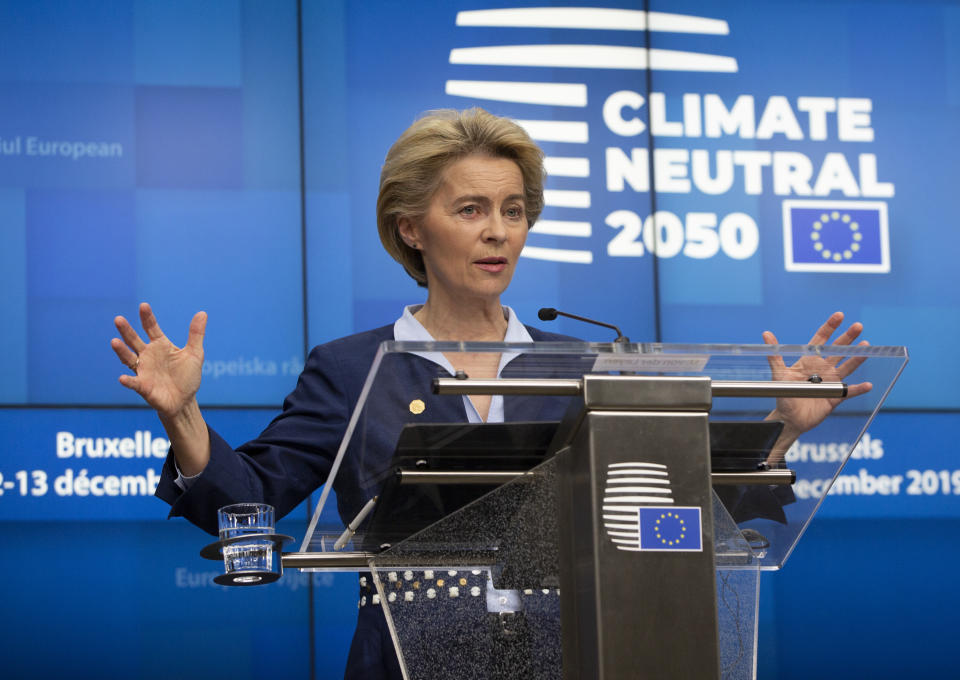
<point x="775" y="162"/>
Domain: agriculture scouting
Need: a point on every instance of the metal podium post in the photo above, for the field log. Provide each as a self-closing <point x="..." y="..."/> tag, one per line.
<point x="639" y="596"/>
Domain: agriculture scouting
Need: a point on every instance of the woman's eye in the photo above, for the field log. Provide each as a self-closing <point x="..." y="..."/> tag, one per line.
<point x="468" y="210"/>
<point x="514" y="213"/>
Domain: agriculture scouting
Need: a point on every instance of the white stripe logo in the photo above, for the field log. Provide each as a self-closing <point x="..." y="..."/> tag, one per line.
<point x="629" y="486"/>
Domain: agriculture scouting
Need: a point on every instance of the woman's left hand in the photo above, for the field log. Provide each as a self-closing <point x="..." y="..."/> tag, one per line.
<point x="802" y="414"/>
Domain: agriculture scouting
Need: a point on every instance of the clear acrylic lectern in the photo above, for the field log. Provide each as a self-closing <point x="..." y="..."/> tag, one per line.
<point x="613" y="525"/>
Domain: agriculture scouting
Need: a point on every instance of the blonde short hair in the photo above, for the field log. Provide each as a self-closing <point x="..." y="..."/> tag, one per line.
<point x="415" y="164"/>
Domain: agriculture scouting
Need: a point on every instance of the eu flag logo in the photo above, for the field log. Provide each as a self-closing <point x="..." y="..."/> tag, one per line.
<point x="836" y="236"/>
<point x="670" y="528"/>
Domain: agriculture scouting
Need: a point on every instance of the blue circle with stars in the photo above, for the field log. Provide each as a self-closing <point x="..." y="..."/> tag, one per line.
<point x="669" y="529"/>
<point x="844" y="236"/>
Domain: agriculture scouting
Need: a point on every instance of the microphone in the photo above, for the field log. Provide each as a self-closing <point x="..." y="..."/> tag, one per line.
<point x="549" y="314"/>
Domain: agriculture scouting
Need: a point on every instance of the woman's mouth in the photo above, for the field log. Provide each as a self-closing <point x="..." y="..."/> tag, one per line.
<point x="492" y="264"/>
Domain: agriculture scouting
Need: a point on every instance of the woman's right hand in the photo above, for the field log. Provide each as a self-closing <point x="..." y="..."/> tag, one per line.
<point x="166" y="376"/>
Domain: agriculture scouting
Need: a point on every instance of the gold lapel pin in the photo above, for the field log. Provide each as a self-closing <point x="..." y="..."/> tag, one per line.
<point x="417" y="407"/>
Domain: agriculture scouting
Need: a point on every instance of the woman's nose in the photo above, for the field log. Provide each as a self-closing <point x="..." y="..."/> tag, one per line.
<point x="496" y="229"/>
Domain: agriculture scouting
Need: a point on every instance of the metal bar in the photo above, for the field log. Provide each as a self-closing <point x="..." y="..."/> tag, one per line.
<point x="778" y="388"/>
<point x="457" y="476"/>
<point x="769" y="477"/>
<point x="517" y="386"/>
<point x="572" y="387"/>
<point x="360" y="561"/>
<point x="324" y="560"/>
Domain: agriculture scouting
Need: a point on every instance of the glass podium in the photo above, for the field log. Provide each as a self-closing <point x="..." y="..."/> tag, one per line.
<point x="610" y="518"/>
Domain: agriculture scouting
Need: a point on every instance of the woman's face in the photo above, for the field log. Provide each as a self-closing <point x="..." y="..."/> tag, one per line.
<point x="474" y="229"/>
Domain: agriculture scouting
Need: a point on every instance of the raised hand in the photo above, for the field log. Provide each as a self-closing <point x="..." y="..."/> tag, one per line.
<point x="166" y="376"/>
<point x="802" y="414"/>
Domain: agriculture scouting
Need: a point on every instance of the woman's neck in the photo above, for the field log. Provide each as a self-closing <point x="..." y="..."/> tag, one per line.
<point x="478" y="321"/>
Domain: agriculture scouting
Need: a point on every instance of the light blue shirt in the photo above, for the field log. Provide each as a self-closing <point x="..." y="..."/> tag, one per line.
<point x="407" y="328"/>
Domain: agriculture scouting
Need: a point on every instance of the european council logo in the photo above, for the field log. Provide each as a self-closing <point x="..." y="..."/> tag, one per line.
<point x="667" y="528"/>
<point x="836" y="236"/>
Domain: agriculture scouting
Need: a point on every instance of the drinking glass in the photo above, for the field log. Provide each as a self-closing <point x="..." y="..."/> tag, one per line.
<point x="253" y="556"/>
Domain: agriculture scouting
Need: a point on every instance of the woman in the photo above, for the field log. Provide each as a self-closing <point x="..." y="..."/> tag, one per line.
<point x="458" y="194"/>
